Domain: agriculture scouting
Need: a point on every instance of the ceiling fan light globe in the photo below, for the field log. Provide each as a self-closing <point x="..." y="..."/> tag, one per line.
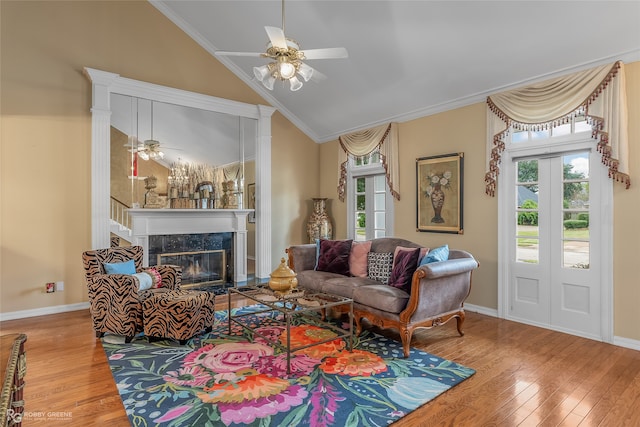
<point x="269" y="82"/>
<point x="261" y="72"/>
<point x="305" y="72"/>
<point x="143" y="155"/>
<point x="295" y="84"/>
<point x="286" y="70"/>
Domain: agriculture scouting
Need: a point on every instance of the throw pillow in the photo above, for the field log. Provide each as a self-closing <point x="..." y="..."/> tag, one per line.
<point x="127" y="267"/>
<point x="358" y="258"/>
<point x="144" y="279"/>
<point x="334" y="256"/>
<point x="423" y="252"/>
<point x="404" y="265"/>
<point x="156" y="278"/>
<point x="379" y="266"/>
<point x="438" y="254"/>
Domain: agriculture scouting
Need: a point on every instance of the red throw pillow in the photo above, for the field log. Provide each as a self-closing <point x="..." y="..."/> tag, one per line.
<point x="404" y="265"/>
<point x="334" y="256"/>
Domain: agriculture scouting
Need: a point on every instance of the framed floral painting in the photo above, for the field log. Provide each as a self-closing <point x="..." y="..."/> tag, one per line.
<point x="439" y="198"/>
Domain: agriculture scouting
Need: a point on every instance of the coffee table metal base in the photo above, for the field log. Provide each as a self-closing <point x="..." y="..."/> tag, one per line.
<point x="301" y="304"/>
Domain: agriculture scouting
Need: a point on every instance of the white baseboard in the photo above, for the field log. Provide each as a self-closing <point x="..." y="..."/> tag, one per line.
<point x="43" y="311"/>
<point x="626" y="342"/>
<point x="481" y="310"/>
<point x="619" y="341"/>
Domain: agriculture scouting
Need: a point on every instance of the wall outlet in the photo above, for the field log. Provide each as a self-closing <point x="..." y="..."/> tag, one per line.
<point x="59" y="286"/>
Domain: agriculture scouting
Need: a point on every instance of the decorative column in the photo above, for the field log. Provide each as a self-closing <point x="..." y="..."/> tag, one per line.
<point x="100" y="155"/>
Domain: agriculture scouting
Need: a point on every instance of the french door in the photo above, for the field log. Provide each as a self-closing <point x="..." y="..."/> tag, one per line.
<point x="555" y="270"/>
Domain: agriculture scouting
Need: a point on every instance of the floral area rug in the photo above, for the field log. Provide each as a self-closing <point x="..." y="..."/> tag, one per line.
<point x="235" y="380"/>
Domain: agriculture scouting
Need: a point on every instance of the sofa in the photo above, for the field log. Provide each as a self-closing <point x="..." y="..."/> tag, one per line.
<point x="433" y="293"/>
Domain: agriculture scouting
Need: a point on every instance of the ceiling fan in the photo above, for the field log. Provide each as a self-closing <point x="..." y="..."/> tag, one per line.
<point x="149" y="148"/>
<point x="287" y="59"/>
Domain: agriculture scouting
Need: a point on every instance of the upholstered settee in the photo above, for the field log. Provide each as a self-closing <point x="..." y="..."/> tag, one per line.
<point x="116" y="299"/>
<point x="433" y="294"/>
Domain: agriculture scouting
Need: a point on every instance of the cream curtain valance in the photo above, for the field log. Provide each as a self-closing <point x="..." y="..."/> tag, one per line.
<point x="599" y="93"/>
<point x="364" y="142"/>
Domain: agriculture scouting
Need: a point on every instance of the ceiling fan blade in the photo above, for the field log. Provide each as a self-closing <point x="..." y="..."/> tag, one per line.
<point x="277" y="38"/>
<point x="317" y="76"/>
<point x="223" y="53"/>
<point x="327" y="53"/>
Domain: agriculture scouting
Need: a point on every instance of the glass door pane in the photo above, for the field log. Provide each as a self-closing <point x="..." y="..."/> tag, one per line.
<point x="575" y="211"/>
<point x="527" y="229"/>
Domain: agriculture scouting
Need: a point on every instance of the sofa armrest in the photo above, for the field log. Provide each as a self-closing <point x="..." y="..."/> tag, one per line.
<point x="302" y="257"/>
<point x="439" y="288"/>
<point x="449" y="267"/>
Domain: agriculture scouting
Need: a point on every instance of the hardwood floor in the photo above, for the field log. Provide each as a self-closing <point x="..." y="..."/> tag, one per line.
<point x="525" y="376"/>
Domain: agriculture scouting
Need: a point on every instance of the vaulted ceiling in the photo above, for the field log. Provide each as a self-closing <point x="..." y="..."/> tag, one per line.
<point x="409" y="59"/>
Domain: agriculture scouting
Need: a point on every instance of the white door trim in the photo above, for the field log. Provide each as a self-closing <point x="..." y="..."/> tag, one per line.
<point x="606" y="225"/>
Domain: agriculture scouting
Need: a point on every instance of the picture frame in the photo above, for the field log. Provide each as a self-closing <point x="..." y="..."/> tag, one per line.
<point x="439" y="197"/>
<point x="251" y="196"/>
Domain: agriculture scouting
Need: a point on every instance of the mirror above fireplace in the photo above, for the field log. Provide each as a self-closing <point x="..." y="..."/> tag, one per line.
<point x="105" y="84"/>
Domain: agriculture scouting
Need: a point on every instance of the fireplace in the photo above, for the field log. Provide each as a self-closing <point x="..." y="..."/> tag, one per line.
<point x="198" y="268"/>
<point x="170" y="231"/>
<point x="205" y="258"/>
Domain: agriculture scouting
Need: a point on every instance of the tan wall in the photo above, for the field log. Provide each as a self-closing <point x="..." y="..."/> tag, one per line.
<point x="626" y="231"/>
<point x="292" y="187"/>
<point x="45" y="174"/>
<point x="463" y="130"/>
<point x="45" y="218"/>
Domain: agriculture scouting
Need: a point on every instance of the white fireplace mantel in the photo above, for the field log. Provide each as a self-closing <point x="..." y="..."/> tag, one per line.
<point x="158" y="222"/>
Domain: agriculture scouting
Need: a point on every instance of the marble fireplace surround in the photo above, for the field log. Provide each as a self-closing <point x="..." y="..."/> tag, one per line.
<point x="150" y="222"/>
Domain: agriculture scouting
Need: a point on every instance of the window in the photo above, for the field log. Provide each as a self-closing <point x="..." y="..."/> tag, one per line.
<point x="370" y="204"/>
<point x="576" y="125"/>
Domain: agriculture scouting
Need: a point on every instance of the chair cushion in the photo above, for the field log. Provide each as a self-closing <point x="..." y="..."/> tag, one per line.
<point x="315" y="280"/>
<point x="127" y="267"/>
<point x="334" y="256"/>
<point x="382" y="297"/>
<point x="345" y="287"/>
<point x="379" y="266"/>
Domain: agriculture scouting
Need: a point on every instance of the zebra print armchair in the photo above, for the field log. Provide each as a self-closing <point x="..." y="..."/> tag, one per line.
<point x="116" y="299"/>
